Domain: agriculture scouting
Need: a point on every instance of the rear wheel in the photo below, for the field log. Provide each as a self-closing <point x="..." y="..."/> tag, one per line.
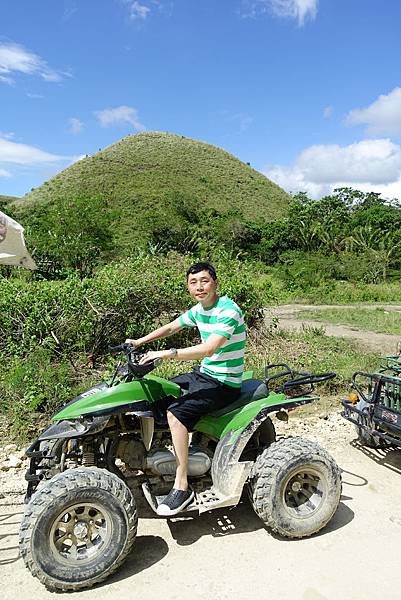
<point x="78" y="529"/>
<point x="295" y="487"/>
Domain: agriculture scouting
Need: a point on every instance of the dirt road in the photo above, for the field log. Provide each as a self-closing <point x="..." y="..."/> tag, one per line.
<point x="288" y="315"/>
<point x="228" y="553"/>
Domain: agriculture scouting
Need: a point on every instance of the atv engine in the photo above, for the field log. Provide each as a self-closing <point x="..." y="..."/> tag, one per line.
<point x="161" y="461"/>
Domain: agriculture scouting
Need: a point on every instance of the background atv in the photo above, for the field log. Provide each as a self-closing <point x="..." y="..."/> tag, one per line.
<point x="374" y="406"/>
<point x="81" y="518"/>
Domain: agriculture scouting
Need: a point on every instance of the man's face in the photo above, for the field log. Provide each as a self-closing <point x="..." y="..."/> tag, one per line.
<point x="202" y="287"/>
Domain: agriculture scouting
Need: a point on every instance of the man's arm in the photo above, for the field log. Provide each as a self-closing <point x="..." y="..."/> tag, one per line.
<point x="208" y="348"/>
<point x="157" y="334"/>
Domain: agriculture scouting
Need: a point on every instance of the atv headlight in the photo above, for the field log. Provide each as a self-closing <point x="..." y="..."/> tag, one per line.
<point x="353" y="397"/>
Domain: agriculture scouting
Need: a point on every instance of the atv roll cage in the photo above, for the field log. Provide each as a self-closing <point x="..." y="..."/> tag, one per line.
<point x="391" y="365"/>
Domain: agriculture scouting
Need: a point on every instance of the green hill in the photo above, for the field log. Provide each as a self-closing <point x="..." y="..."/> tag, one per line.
<point x="5" y="200"/>
<point x="152" y="187"/>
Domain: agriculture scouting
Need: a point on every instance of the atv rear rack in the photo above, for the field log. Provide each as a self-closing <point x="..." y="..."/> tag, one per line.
<point x="293" y="383"/>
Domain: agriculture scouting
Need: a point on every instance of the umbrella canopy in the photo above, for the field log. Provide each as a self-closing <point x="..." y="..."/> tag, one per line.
<point x="12" y="244"/>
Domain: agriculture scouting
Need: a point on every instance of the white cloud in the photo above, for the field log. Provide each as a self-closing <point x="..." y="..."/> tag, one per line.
<point x="369" y="165"/>
<point x="382" y="117"/>
<point x="4" y="173"/>
<point x="7" y="135"/>
<point x="301" y="10"/>
<point x="14" y="58"/>
<point x="75" y="126"/>
<point x="328" y="112"/>
<point x="119" y="115"/>
<point x="8" y="80"/>
<point x="35" y="96"/>
<point x="241" y="120"/>
<point x="77" y="158"/>
<point x="22" y="154"/>
<point x="138" y="10"/>
<point x="69" y="12"/>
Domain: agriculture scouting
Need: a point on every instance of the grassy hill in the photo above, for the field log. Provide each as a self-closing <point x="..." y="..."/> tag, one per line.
<point x="153" y="186"/>
<point x="5" y="200"/>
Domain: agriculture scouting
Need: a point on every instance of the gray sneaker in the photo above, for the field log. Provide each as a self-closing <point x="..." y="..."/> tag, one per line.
<point x="175" y="502"/>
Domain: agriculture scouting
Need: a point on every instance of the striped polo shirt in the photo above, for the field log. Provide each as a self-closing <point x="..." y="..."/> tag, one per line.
<point x="224" y="318"/>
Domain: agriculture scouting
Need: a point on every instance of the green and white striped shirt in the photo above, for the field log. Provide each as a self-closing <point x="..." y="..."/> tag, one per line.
<point x="224" y="318"/>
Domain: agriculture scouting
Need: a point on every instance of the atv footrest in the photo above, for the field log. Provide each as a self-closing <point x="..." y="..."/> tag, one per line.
<point x="37" y="454"/>
<point x="154" y="501"/>
<point x="33" y="477"/>
<point x="203" y="501"/>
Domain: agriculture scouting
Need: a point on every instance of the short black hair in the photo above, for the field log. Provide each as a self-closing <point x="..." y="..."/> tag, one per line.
<point x="202" y="266"/>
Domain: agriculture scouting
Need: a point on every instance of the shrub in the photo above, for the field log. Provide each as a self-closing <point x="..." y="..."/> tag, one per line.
<point x="51" y="330"/>
<point x="29" y="384"/>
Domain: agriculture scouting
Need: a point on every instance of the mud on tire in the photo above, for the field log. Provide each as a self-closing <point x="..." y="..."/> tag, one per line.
<point x="295" y="487"/>
<point x="78" y="529"/>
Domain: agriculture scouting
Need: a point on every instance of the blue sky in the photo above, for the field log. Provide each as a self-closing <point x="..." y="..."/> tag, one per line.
<point x="307" y="91"/>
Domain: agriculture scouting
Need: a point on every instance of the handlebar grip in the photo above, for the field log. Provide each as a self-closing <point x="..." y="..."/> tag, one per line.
<point x="121" y="348"/>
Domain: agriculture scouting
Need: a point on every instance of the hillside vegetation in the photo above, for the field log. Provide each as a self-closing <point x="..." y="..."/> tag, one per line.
<point x="114" y="233"/>
<point x="151" y="189"/>
<point x="142" y="171"/>
<point x="5" y="200"/>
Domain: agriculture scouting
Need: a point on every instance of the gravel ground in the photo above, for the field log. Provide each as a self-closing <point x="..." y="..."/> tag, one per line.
<point x="228" y="552"/>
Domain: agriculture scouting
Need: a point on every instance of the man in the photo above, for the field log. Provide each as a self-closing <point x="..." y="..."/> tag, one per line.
<point x="218" y="381"/>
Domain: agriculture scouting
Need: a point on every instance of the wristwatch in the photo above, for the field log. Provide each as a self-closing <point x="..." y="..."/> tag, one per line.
<point x="173" y="351"/>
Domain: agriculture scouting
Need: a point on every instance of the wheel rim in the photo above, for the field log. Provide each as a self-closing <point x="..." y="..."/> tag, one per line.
<point x="80" y="533"/>
<point x="304" y="491"/>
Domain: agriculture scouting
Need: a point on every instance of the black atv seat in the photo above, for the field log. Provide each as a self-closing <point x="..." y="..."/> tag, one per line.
<point x="252" y="389"/>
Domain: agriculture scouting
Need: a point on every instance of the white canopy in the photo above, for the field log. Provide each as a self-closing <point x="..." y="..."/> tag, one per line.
<point x="12" y="244"/>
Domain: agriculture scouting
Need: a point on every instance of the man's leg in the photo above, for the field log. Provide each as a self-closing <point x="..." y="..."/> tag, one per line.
<point x="180" y="437"/>
<point x="180" y="496"/>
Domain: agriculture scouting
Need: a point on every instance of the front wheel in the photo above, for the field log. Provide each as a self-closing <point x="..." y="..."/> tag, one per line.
<point x="365" y="438"/>
<point x="295" y="487"/>
<point x="78" y="529"/>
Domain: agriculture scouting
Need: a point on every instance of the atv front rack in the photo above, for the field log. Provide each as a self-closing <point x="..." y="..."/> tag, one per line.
<point x="380" y="415"/>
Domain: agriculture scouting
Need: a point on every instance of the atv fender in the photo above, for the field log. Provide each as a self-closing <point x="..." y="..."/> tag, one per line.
<point x="228" y="473"/>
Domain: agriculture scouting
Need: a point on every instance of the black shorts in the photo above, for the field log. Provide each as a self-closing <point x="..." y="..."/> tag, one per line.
<point x="202" y="394"/>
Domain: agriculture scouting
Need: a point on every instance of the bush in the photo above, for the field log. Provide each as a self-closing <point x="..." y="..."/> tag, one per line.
<point x="305" y="270"/>
<point x="28" y="384"/>
<point x="51" y="330"/>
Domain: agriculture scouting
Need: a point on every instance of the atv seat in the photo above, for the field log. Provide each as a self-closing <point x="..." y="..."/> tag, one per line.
<point x="251" y="390"/>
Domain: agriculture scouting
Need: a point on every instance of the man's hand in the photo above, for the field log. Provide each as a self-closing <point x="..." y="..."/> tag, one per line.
<point x="150" y="356"/>
<point x="134" y="343"/>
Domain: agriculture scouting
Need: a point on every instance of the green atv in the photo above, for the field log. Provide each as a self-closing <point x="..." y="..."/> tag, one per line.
<point x="80" y="519"/>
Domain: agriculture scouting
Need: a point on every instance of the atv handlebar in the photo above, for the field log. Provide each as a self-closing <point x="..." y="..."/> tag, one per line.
<point x="121" y="348"/>
<point x="133" y="357"/>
